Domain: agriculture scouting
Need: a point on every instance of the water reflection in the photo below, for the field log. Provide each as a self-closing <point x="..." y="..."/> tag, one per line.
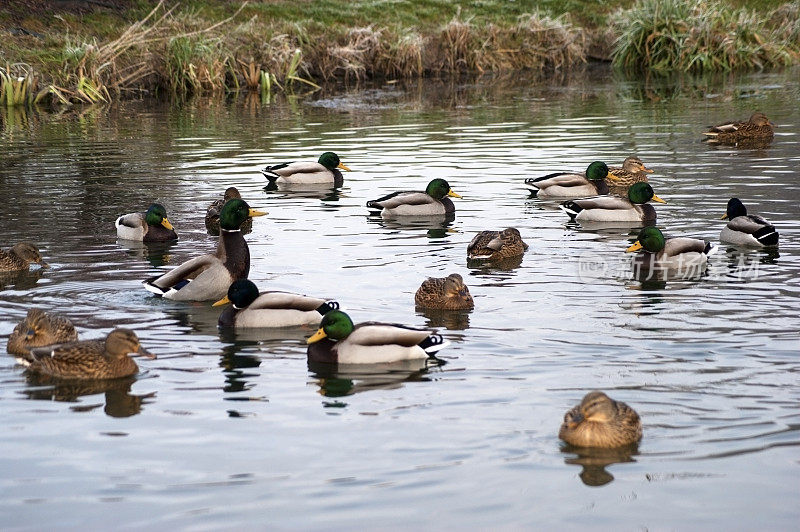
<point x="20" y="279"/>
<point x="594" y="462"/>
<point x="157" y="254"/>
<point x="436" y="226"/>
<point x="454" y="320"/>
<point x="298" y="190"/>
<point x="118" y="400"/>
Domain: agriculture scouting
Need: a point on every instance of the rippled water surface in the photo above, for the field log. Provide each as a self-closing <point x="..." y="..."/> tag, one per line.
<point x="236" y="430"/>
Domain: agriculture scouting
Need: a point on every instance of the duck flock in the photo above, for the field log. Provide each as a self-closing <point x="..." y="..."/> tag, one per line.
<point x="48" y="344"/>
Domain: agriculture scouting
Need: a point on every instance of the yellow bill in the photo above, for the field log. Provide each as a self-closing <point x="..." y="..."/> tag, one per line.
<point x="635" y="247"/>
<point x="252" y="213"/>
<point x="724" y="216"/>
<point x="319" y="335"/>
<point x="453" y="194"/>
<point x="223" y="301"/>
<point x="343" y="167"/>
<point x="166" y="223"/>
<point x="659" y="200"/>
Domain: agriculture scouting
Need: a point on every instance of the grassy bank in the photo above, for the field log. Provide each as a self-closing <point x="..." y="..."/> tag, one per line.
<point x="92" y="51"/>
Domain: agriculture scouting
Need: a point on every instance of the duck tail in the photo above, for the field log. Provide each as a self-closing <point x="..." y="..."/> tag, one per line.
<point x="270" y="175"/>
<point x="327" y="307"/>
<point x="571" y="208"/>
<point x="710" y="249"/>
<point x="433" y="343"/>
<point x="767" y="235"/>
<point x="151" y="287"/>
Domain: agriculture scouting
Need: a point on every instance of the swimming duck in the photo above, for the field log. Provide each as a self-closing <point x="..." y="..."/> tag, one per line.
<point x="20" y="257"/>
<point x="270" y="309"/>
<point x="633" y="171"/>
<point x="338" y="341"/>
<point x="446" y="293"/>
<point x="324" y="171"/>
<point x="614" y="208"/>
<point x="496" y="245"/>
<point x="150" y="226"/>
<point x="571" y="184"/>
<point x="38" y="329"/>
<point x="212" y="213"/>
<point x="670" y="253"/>
<point x="209" y="276"/>
<point x="434" y="201"/>
<point x="758" y="127"/>
<point x="89" y="359"/>
<point x="747" y="229"/>
<point x="599" y="421"/>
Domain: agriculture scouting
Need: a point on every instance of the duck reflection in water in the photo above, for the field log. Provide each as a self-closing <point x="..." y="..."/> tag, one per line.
<point x="321" y="191"/>
<point x="436" y="226"/>
<point x="595" y="460"/>
<point x="119" y="402"/>
<point x="20" y="279"/>
<point x="156" y="253"/>
<point x="340" y="380"/>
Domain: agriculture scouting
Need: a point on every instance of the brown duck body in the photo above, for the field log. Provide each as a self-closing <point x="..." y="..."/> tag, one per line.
<point x="599" y="421"/>
<point x="446" y="293"/>
<point x="212" y="213"/>
<point x="20" y="257"/>
<point x="496" y="245"/>
<point x="632" y="171"/>
<point x="757" y="128"/>
<point x="39" y="329"/>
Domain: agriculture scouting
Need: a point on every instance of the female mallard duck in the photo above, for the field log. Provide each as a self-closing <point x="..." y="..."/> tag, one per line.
<point x="209" y="276"/>
<point x="39" y="329"/>
<point x="446" y="293"/>
<point x="571" y="184"/>
<point x="670" y="253"/>
<point x="150" y="226"/>
<point x="747" y="229"/>
<point x="633" y="171"/>
<point x="270" y="309"/>
<point x="89" y="359"/>
<point x="599" y="421"/>
<point x="434" y="201"/>
<point x="496" y="245"/>
<point x="20" y="257"/>
<point x="212" y="213"/>
<point x="338" y="341"/>
<point x="757" y="128"/>
<point x="324" y="171"/>
<point x="616" y="209"/>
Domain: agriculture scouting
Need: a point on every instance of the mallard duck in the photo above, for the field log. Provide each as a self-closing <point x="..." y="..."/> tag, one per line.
<point x="89" y="359"/>
<point x="212" y="213"/>
<point x="324" y="171"/>
<point x="338" y="341"/>
<point x="270" y="309"/>
<point x="758" y="127"/>
<point x="150" y="226"/>
<point x="571" y="184"/>
<point x="434" y="201"/>
<point x="39" y="329"/>
<point x="670" y="253"/>
<point x="446" y="293"/>
<point x="496" y="245"/>
<point x="615" y="209"/>
<point x="599" y="421"/>
<point x="746" y="229"/>
<point x="20" y="257"/>
<point x="632" y="171"/>
<point x="209" y="276"/>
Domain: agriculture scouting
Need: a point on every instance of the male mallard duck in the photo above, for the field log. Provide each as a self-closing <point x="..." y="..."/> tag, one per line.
<point x="615" y="209"/>
<point x="209" y="276"/>
<point x="212" y="213"/>
<point x="599" y="421"/>
<point x="338" y="341"/>
<point x="270" y="309"/>
<point x="758" y="127"/>
<point x="670" y="253"/>
<point x="20" y="257"/>
<point x="571" y="184"/>
<point x="89" y="359"/>
<point x="150" y="226"/>
<point x="747" y="229"/>
<point x="434" y="201"/>
<point x="633" y="171"/>
<point x="496" y="245"/>
<point x="324" y="171"/>
<point x="446" y="293"/>
<point x="39" y="329"/>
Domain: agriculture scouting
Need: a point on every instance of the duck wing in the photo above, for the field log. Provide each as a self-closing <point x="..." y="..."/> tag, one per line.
<point x="677" y="246"/>
<point x="749" y="224"/>
<point x="374" y="333"/>
<point x="562" y="179"/>
<point x="286" y="300"/>
<point x="188" y="271"/>
<point x="604" y="202"/>
<point x="396" y="199"/>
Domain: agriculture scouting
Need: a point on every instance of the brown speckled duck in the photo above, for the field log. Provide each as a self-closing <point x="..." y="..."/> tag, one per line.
<point x="446" y="293"/>
<point x="757" y="128"/>
<point x="39" y="329"/>
<point x="599" y="421"/>
<point x="89" y="359"/>
<point x="20" y="257"/>
<point x="632" y="171"/>
<point x="212" y="213"/>
<point x="496" y="245"/>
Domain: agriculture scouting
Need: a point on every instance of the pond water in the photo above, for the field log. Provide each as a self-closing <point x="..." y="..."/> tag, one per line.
<point x="230" y="430"/>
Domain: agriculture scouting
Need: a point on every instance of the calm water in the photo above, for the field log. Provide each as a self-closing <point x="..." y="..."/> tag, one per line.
<point x="226" y="431"/>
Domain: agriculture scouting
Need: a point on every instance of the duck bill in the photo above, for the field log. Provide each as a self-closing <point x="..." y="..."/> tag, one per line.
<point x="724" y="216"/>
<point x="223" y="301"/>
<point x="252" y="213"/>
<point x="166" y="223"/>
<point x="659" y="200"/>
<point x="635" y="247"/>
<point x="343" y="167"/>
<point x="319" y="335"/>
<point x="647" y="170"/>
<point x="142" y="352"/>
<point x="452" y="194"/>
